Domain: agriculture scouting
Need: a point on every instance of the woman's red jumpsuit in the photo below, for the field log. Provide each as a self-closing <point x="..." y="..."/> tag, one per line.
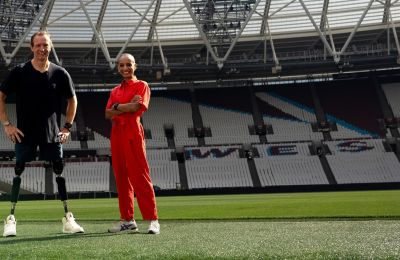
<point x="128" y="150"/>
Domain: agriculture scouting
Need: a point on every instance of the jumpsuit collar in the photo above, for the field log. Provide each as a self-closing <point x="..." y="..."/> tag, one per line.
<point x="127" y="82"/>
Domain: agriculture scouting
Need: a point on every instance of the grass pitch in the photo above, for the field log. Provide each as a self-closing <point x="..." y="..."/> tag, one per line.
<point x="328" y="225"/>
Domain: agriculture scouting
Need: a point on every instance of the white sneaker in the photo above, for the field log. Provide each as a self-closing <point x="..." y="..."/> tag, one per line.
<point x="10" y="226"/>
<point x="70" y="226"/>
<point x="124" y="227"/>
<point x="154" y="227"/>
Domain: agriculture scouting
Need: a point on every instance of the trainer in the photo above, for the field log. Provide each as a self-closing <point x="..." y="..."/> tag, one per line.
<point x="40" y="87"/>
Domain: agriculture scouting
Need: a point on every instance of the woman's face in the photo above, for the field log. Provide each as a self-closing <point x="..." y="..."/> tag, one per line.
<point x="126" y="66"/>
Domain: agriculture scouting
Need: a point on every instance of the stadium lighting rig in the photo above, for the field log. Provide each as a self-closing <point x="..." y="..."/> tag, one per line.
<point x="15" y="17"/>
<point x="221" y="22"/>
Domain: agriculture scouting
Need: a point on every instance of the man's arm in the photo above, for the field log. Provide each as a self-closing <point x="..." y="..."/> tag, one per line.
<point x="71" y="110"/>
<point x="3" y="110"/>
<point x="69" y="118"/>
<point x="11" y="131"/>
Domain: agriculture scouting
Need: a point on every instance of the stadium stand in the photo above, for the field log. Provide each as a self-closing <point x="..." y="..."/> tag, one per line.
<point x="357" y="112"/>
<point x="164" y="111"/>
<point x="164" y="171"/>
<point x="392" y="92"/>
<point x="93" y="105"/>
<point x="268" y="101"/>
<point x="292" y="149"/>
<point x="354" y="155"/>
<point x="365" y="167"/>
<point x="288" y="164"/>
<point x="216" y="167"/>
<point x="290" y="171"/>
<point x="99" y="142"/>
<point x="227" y="127"/>
<point x="228" y="116"/>
<point x="356" y="146"/>
<point x="218" y="173"/>
<point x="5" y="143"/>
<point x="86" y="176"/>
<point x="290" y="121"/>
<point x="33" y="179"/>
<point x="73" y="143"/>
<point x="362" y="161"/>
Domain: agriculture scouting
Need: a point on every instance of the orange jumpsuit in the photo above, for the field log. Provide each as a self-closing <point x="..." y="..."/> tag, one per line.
<point x="128" y="151"/>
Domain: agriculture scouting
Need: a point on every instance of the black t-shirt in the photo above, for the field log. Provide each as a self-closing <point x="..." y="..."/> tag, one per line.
<point x="39" y="98"/>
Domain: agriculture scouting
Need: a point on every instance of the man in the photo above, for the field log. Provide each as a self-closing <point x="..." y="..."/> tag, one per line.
<point x="39" y="87"/>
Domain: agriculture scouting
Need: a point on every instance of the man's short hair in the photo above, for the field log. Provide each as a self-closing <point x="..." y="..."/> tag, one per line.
<point x="41" y="33"/>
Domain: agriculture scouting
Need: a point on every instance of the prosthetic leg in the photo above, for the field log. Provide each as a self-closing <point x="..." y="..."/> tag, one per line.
<point x="10" y="224"/>
<point x="69" y="224"/>
<point x="19" y="169"/>
<point x="58" y="167"/>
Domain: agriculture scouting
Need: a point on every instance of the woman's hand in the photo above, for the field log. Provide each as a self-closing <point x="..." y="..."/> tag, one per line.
<point x="136" y="99"/>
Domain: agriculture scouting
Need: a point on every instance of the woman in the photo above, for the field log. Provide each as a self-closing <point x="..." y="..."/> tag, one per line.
<point x="127" y="102"/>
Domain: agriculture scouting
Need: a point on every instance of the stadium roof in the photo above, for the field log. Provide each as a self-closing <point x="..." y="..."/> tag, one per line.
<point x="184" y="40"/>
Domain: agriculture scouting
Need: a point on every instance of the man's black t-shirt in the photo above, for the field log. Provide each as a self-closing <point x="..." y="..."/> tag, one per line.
<point x="39" y="98"/>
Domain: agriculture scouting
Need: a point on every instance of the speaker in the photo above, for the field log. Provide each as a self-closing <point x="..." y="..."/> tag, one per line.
<point x="82" y="135"/>
<point x="158" y="75"/>
<point x="316" y="148"/>
<point x="169" y="131"/>
<point x="180" y="154"/>
<point x="246" y="151"/>
<point x="391" y="144"/>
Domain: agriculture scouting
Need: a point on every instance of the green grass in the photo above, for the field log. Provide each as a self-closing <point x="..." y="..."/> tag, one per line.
<point x="326" y="225"/>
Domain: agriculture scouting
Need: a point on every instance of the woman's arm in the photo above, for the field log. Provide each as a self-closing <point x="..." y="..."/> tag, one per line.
<point x="117" y="109"/>
<point x="110" y="113"/>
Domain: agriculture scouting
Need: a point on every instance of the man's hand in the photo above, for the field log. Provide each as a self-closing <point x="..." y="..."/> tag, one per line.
<point x="13" y="133"/>
<point x="136" y="99"/>
<point x="63" y="135"/>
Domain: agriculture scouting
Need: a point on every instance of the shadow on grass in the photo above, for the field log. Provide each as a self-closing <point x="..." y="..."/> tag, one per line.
<point x="60" y="236"/>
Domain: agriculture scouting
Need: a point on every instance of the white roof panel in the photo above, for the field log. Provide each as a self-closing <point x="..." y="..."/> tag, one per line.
<point x="122" y="16"/>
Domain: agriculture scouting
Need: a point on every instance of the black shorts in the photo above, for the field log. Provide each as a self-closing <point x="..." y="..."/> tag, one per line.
<point x="47" y="152"/>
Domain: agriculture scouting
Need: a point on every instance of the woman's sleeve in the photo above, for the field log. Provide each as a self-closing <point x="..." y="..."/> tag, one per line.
<point x="145" y="98"/>
<point x="110" y="101"/>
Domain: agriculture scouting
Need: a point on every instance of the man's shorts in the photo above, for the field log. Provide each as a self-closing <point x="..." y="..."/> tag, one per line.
<point x="47" y="152"/>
